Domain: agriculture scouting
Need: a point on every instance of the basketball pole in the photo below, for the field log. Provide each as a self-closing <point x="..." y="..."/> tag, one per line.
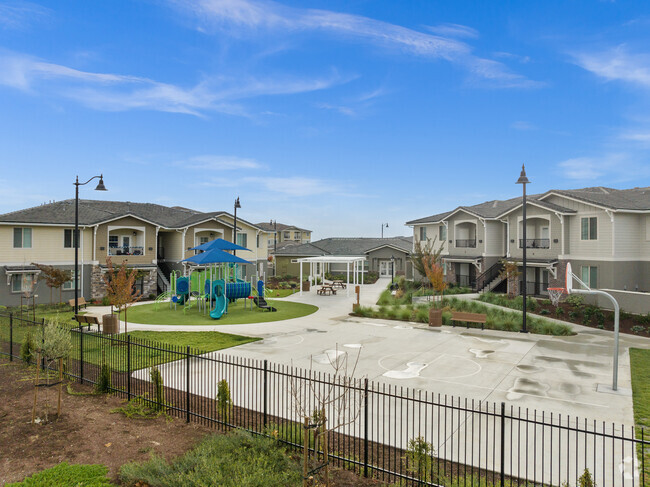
<point x="616" y="320"/>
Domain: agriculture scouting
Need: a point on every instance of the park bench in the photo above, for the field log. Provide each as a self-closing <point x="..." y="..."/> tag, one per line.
<point x="326" y="290"/>
<point x="80" y="302"/>
<point x="468" y="318"/>
<point x="86" y="320"/>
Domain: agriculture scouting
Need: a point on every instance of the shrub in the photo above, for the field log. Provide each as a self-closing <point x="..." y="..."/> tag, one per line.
<point x="588" y="313"/>
<point x="27" y="348"/>
<point x="224" y="401"/>
<point x="586" y="480"/>
<point x="106" y="301"/>
<point x="559" y="311"/>
<point x="103" y="384"/>
<point x="64" y="475"/>
<point x="546" y="302"/>
<point x="544" y="312"/>
<point x="638" y="329"/>
<point x="159" y="390"/>
<point x="446" y="318"/>
<point x="531" y="304"/>
<point x="419" y="458"/>
<point x="600" y="317"/>
<point x="574" y="315"/>
<point x="575" y="300"/>
<point x="422" y="314"/>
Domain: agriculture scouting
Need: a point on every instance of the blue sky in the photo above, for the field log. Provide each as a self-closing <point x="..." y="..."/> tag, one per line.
<point x="336" y="116"/>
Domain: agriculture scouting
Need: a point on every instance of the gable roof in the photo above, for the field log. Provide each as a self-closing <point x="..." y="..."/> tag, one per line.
<point x="93" y="212"/>
<point x="346" y="246"/>
<point x="269" y="227"/>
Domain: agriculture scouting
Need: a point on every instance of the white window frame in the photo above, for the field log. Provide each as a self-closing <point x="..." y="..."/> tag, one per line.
<point x="21" y="276"/>
<point x="589" y="269"/>
<point x="423" y="233"/>
<point x="69" y="285"/>
<point x="244" y="239"/>
<point x="22" y="238"/>
<point x="589" y="237"/>
<point x="442" y="230"/>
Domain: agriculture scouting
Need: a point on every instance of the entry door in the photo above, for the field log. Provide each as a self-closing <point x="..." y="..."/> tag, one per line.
<point x="126" y="243"/>
<point x="384" y="268"/>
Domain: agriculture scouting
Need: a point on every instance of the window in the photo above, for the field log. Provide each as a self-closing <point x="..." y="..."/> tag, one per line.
<point x="23" y="282"/>
<point x="442" y="233"/>
<point x="296" y="235"/>
<point x="589" y="275"/>
<point x="113" y="241"/>
<point x="589" y="228"/>
<point x="258" y="240"/>
<point x="69" y="284"/>
<point x="242" y="239"/>
<point x="286" y="235"/>
<point x="22" y="238"/>
<point x="67" y="238"/>
<point x="203" y="240"/>
<point x="423" y="233"/>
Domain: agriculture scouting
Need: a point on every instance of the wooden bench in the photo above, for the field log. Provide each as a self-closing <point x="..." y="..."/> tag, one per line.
<point x="326" y="290"/>
<point x="80" y="302"/>
<point x="86" y="320"/>
<point x="338" y="283"/>
<point x="468" y="318"/>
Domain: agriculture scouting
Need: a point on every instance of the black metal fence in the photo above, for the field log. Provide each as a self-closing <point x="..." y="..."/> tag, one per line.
<point x="396" y="434"/>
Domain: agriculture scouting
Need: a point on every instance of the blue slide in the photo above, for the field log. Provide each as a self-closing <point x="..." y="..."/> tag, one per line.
<point x="219" y="298"/>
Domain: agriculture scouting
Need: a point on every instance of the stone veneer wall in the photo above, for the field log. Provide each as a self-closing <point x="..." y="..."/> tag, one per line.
<point x="98" y="285"/>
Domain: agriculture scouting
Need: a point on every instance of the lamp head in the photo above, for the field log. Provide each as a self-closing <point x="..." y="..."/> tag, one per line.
<point x="100" y="185"/>
<point x="522" y="177"/>
<point x="237" y="205"/>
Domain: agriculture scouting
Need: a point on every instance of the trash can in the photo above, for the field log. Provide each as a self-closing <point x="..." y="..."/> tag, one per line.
<point x="110" y="324"/>
<point x="306" y="285"/>
<point x="435" y="317"/>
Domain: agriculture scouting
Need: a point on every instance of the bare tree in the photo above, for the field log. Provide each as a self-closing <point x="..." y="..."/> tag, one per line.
<point x="327" y="405"/>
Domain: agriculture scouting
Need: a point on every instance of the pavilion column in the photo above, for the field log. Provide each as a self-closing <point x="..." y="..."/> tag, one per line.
<point x="300" y="281"/>
<point x="347" y="278"/>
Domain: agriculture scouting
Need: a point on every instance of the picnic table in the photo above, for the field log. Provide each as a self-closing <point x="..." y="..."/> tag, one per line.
<point x="326" y="290"/>
<point x="338" y="283"/>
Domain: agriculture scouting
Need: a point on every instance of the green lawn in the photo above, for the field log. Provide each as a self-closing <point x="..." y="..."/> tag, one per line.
<point x="280" y="293"/>
<point x="161" y="314"/>
<point x="640" y="370"/>
<point x="96" y="347"/>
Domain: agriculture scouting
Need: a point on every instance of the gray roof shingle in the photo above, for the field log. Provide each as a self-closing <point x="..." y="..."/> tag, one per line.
<point x="346" y="246"/>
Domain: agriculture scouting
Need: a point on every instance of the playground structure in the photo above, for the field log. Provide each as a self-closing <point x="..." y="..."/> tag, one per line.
<point x="213" y="284"/>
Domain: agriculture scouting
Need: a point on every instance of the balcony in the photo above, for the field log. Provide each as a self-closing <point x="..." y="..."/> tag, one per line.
<point x="466" y="243"/>
<point x="535" y="243"/>
<point x="128" y="250"/>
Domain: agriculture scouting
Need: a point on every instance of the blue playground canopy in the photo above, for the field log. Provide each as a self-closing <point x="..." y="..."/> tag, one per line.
<point x="215" y="256"/>
<point x="219" y="244"/>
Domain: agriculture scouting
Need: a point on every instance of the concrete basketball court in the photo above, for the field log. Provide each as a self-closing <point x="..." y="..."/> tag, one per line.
<point x="568" y="375"/>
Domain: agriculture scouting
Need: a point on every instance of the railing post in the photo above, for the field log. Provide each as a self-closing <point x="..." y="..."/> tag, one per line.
<point x="503" y="444"/>
<point x="11" y="337"/>
<point x="128" y="367"/>
<point x="265" y="386"/>
<point x="81" y="355"/>
<point x="365" y="430"/>
<point x="42" y="338"/>
<point x="187" y="394"/>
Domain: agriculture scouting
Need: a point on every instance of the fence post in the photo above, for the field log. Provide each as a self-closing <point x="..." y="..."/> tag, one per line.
<point x="43" y="340"/>
<point x="187" y="394"/>
<point x="11" y="337"/>
<point x="503" y="443"/>
<point x="365" y="430"/>
<point x="265" y="386"/>
<point x="81" y="355"/>
<point x="128" y="367"/>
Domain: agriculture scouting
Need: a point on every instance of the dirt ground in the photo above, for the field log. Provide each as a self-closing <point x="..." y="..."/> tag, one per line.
<point x="87" y="432"/>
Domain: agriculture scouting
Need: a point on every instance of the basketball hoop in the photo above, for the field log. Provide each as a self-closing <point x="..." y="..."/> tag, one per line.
<point x="555" y="295"/>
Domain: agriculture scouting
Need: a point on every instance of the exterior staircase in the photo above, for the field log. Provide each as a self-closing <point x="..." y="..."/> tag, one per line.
<point x="163" y="282"/>
<point x="489" y="279"/>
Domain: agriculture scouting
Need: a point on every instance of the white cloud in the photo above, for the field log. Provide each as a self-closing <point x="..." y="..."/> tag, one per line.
<point x="522" y="125"/>
<point x="219" y="163"/>
<point x="296" y="186"/>
<point x="636" y="136"/>
<point x="256" y="16"/>
<point x="612" y="167"/>
<point x="116" y="92"/>
<point x="454" y="30"/>
<point x="617" y="64"/>
<point x="18" y="15"/>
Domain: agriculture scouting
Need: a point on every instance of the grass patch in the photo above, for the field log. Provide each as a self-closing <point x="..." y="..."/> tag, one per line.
<point x="237" y="314"/>
<point x="279" y="293"/>
<point x="235" y="460"/>
<point x="142" y="356"/>
<point x="640" y="371"/>
<point x="64" y="475"/>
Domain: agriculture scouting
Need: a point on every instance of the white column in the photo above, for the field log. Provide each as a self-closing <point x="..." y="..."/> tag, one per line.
<point x="347" y="278"/>
<point x="300" y="281"/>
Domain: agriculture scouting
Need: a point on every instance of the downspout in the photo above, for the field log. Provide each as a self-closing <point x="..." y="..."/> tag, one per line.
<point x="507" y="249"/>
<point x="95" y="242"/>
<point x="482" y="220"/>
<point x="561" y="218"/>
<point x="610" y="213"/>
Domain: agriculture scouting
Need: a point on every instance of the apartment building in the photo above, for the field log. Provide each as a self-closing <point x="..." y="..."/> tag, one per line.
<point x="603" y="232"/>
<point x="152" y="238"/>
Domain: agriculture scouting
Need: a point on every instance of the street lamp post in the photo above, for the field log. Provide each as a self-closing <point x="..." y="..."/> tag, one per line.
<point x="234" y="230"/>
<point x="523" y="180"/>
<point x="383" y="225"/>
<point x="392" y="269"/>
<point x="75" y="238"/>
<point x="275" y="246"/>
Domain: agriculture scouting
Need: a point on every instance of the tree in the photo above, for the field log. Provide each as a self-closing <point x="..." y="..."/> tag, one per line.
<point x="53" y="277"/>
<point x="424" y="251"/>
<point x="435" y="273"/>
<point x="120" y="287"/>
<point x="510" y="272"/>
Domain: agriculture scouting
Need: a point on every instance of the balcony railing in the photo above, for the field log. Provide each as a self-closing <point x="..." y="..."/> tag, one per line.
<point x="126" y="250"/>
<point x="466" y="243"/>
<point x="535" y="243"/>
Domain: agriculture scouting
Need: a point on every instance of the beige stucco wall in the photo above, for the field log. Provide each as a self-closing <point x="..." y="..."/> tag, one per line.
<point x="124" y="226"/>
<point x="47" y="246"/>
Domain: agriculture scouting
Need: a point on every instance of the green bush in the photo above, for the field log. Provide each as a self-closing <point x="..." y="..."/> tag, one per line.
<point x="422" y="314"/>
<point x="544" y="312"/>
<point x="559" y="311"/>
<point x="27" y="348"/>
<point x="575" y="300"/>
<point x="159" y="389"/>
<point x="64" y="475"/>
<point x="103" y="384"/>
<point x="574" y="315"/>
<point x="405" y="313"/>
<point x="236" y="460"/>
<point x="224" y="401"/>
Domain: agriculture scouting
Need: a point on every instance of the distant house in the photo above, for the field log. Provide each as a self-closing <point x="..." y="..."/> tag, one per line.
<point x="603" y="232"/>
<point x="152" y="238"/>
<point x="285" y="233"/>
<point x="378" y="252"/>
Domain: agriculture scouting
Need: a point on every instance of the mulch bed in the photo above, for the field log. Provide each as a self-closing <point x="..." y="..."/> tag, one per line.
<point x="88" y="433"/>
